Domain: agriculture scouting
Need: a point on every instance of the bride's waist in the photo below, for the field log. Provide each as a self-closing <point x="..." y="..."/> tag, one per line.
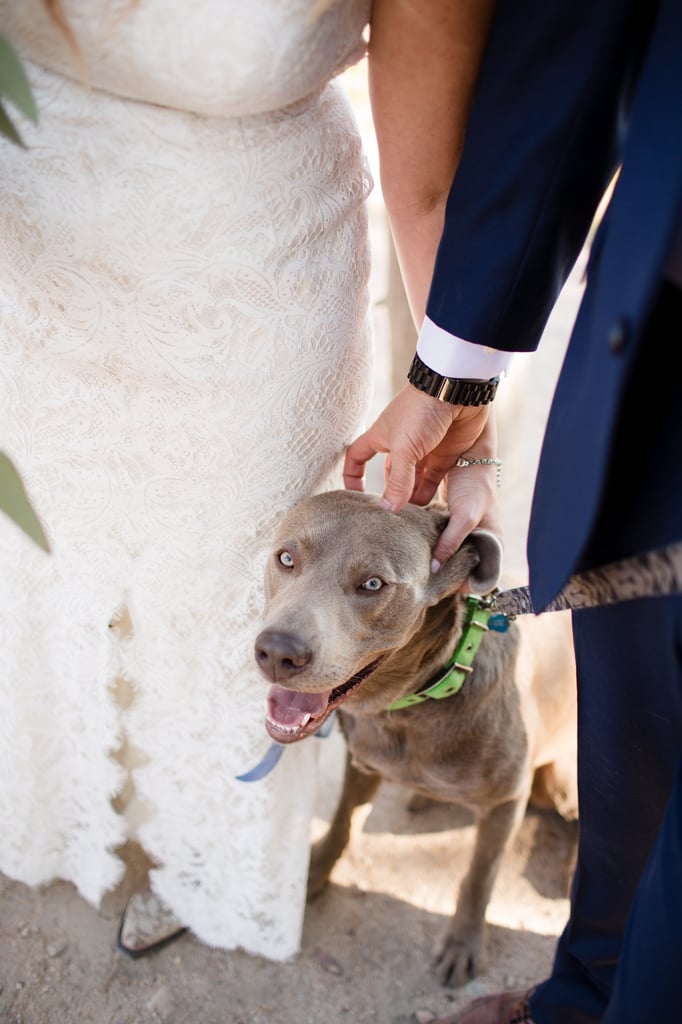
<point x="74" y="114"/>
<point x="226" y="105"/>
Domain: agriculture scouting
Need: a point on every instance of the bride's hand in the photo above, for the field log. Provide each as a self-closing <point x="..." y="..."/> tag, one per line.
<point x="423" y="438"/>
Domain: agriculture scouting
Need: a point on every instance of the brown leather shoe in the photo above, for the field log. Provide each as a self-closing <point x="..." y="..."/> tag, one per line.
<point x="503" y="1008"/>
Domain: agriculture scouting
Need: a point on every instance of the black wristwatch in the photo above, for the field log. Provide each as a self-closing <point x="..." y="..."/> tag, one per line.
<point x="454" y="390"/>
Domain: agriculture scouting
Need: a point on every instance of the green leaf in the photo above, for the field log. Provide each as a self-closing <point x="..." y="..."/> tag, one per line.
<point x="14" y="502"/>
<point x="8" y="129"/>
<point x="13" y="81"/>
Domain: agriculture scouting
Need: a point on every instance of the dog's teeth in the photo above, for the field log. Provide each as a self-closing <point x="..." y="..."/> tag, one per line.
<point x="288" y="729"/>
<point x="306" y="718"/>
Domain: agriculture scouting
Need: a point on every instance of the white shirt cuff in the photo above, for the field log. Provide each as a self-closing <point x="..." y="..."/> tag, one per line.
<point x="453" y="357"/>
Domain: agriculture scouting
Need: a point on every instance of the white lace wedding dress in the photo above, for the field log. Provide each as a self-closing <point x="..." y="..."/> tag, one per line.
<point x="184" y="353"/>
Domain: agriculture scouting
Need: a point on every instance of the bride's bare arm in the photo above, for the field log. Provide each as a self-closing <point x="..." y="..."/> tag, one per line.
<point x="424" y="57"/>
<point x="423" y="62"/>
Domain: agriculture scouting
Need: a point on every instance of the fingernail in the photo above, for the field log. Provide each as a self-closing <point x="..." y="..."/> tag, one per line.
<point x="387" y="505"/>
<point x="435" y="565"/>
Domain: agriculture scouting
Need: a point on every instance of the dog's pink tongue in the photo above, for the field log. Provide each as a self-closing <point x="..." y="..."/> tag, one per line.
<point x="290" y="707"/>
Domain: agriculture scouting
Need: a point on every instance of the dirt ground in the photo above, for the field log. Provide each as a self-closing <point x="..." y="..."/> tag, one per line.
<point x="367" y="941"/>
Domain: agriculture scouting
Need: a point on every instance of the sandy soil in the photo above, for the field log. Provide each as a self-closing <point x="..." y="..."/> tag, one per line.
<point x="366" y="944"/>
<point x="367" y="941"/>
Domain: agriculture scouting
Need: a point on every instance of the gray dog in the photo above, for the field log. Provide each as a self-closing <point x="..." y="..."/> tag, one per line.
<point x="355" y="621"/>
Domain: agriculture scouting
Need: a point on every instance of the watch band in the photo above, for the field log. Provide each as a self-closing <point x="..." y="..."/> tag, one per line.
<point x="454" y="390"/>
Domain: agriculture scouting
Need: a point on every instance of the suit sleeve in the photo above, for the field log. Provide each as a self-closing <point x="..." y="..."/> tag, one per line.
<point x="542" y="144"/>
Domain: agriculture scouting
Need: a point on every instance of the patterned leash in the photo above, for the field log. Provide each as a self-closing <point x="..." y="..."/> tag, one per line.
<point x="654" y="574"/>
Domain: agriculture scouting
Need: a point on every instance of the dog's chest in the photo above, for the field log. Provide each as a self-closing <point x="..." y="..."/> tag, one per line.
<point x="409" y="757"/>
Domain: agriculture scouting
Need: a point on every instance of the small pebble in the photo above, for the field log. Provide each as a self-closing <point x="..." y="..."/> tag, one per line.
<point x="328" y="963"/>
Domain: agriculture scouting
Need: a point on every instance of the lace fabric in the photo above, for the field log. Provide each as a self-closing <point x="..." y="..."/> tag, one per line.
<point x="185" y="352"/>
<point x="221" y="58"/>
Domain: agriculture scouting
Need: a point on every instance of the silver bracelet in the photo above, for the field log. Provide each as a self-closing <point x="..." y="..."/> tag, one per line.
<point x="462" y="462"/>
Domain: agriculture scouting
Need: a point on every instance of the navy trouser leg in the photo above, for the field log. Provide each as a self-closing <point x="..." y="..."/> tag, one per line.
<point x="629" y="660"/>
<point x="649" y="976"/>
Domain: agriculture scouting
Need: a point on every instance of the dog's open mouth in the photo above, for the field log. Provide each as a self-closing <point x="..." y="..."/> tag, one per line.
<point x="292" y="715"/>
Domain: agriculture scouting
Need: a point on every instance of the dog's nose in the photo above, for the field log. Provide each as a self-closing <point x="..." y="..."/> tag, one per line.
<point x="280" y="655"/>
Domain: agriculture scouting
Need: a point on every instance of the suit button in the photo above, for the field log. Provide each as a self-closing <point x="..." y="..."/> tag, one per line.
<point x="617" y="337"/>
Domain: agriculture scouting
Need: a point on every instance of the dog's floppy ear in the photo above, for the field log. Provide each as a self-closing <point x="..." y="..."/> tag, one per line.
<point x="477" y="564"/>
<point x="485" y="576"/>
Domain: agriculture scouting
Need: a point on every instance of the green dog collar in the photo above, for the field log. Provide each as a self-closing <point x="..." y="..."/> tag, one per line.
<point x="451" y="679"/>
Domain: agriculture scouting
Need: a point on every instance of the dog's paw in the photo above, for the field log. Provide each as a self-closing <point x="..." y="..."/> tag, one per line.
<point x="459" y="958"/>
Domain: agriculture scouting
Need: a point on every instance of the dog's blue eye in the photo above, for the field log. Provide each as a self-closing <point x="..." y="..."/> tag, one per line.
<point x="373" y="583"/>
<point x="286" y="559"/>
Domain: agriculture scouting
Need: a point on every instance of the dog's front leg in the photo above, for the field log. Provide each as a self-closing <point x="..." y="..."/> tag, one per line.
<point x="461" y="952"/>
<point x="358" y="789"/>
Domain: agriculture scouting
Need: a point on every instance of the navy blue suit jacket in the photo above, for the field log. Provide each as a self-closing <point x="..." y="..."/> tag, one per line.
<point x="569" y="91"/>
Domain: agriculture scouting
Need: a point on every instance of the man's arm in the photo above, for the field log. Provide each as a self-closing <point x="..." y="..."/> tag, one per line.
<point x="540" y="146"/>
